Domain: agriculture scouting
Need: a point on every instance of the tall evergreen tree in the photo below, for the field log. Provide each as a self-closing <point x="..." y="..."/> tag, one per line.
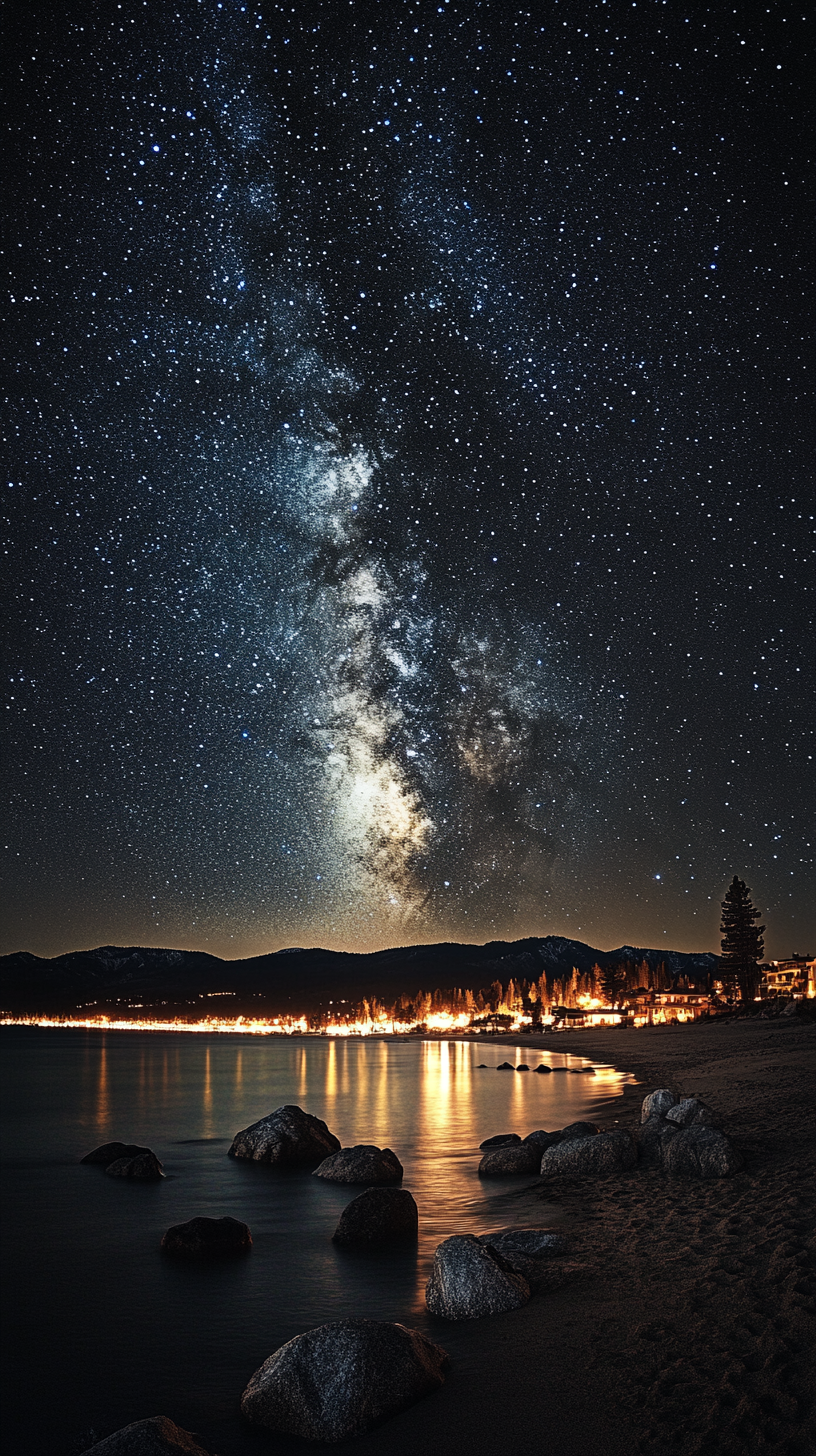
<point x="613" y="980"/>
<point x="742" y="944"/>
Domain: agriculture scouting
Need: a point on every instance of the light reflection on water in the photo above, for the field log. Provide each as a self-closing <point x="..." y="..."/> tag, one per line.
<point x="88" y="1294"/>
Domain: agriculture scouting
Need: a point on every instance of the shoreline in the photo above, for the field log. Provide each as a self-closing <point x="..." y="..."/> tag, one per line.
<point x="688" y="1326"/>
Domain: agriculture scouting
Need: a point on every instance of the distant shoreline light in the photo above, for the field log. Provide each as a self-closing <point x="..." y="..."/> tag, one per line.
<point x="249" y="1026"/>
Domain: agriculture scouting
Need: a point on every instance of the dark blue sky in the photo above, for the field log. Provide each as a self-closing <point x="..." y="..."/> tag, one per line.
<point x="409" y="474"/>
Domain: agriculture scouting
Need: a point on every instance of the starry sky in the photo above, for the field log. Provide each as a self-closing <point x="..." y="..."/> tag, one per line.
<point x="408" y="495"/>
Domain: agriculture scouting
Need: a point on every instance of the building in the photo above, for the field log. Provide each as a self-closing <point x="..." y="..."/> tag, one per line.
<point x="655" y="1008"/>
<point x="795" y="977"/>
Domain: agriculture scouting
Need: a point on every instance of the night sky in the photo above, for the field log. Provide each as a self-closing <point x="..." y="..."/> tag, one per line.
<point x="408" y="473"/>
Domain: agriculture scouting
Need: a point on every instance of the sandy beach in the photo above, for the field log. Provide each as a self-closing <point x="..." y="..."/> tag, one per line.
<point x="685" y="1319"/>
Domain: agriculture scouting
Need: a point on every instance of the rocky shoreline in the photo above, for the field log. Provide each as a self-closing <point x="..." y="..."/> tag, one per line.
<point x="683" y="1320"/>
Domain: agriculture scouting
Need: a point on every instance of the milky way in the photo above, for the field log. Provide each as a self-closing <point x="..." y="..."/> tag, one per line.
<point x="408" y="485"/>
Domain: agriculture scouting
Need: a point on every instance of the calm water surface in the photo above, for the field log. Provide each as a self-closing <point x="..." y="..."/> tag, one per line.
<point x="103" y="1329"/>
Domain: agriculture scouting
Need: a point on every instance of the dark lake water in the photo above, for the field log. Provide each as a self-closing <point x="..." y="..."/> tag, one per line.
<point x="101" y="1329"/>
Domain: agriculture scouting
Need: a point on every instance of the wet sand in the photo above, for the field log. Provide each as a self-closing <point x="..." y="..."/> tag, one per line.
<point x="685" y="1320"/>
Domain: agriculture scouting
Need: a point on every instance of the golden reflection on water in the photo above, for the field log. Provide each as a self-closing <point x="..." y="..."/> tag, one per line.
<point x="102" y="1088"/>
<point x="239" y="1070"/>
<point x="331" y="1071"/>
<point x="303" y="1070"/>
<point x="207" y="1097"/>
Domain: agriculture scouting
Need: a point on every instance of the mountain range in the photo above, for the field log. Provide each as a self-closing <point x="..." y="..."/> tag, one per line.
<point x="116" y="979"/>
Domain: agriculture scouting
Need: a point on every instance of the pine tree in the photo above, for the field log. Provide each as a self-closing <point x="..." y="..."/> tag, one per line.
<point x="742" y="944"/>
<point x="613" y="979"/>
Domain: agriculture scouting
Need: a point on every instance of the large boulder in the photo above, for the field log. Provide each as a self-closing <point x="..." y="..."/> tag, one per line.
<point x="469" y="1279"/>
<point x="579" y="1130"/>
<point x="690" y="1110"/>
<point x="342" y="1379"/>
<point x="110" y="1153"/>
<point x="541" y="1139"/>
<point x="542" y="1068"/>
<point x="146" y="1168"/>
<point x="517" y="1158"/>
<point x="208" y="1238"/>
<point x="501" y="1140"/>
<point x="156" y="1436"/>
<point x="652" y="1137"/>
<point x="657" y="1103"/>
<point x="701" y="1152"/>
<point x="607" y="1152"/>
<point x="287" y="1137"/>
<point x="378" y="1216"/>
<point x="362" y="1164"/>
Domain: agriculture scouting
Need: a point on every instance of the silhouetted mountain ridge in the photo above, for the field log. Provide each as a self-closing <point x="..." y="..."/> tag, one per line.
<point x="296" y="980"/>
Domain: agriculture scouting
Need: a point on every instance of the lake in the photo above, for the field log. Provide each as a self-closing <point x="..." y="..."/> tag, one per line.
<point x="102" y="1329"/>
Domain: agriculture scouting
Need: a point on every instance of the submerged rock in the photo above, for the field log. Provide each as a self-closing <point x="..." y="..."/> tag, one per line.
<point x="501" y="1140"/>
<point x="378" y="1216"/>
<point x="580" y="1130"/>
<point x="156" y="1436"/>
<point x="522" y="1067"/>
<point x="469" y="1280"/>
<point x="701" y="1152"/>
<point x="364" y="1163"/>
<point x="657" y="1103"/>
<point x="146" y="1167"/>
<point x="608" y="1152"/>
<point x="542" y="1068"/>
<point x="110" y="1152"/>
<point x="517" y="1158"/>
<point x="505" y="1067"/>
<point x="690" y="1110"/>
<point x="286" y="1137"/>
<point x="208" y="1238"/>
<point x="342" y="1379"/>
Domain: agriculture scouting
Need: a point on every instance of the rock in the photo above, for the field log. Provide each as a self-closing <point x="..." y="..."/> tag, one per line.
<point x="208" y="1238"/>
<point x="287" y="1137"/>
<point x="608" y="1152"/>
<point x="505" y="1067"/>
<point x="541" y="1139"/>
<point x="364" y="1163"/>
<point x="541" y="1272"/>
<point x="583" y="1071"/>
<point x="342" y="1379"/>
<point x="469" y="1279"/>
<point x="691" y="1109"/>
<point x="579" y="1130"/>
<point x="146" y="1167"/>
<point x="652" y="1136"/>
<point x="518" y="1158"/>
<point x="537" y="1243"/>
<point x="110" y="1152"/>
<point x="501" y="1140"/>
<point x="658" y="1103"/>
<point x="701" y="1152"/>
<point x="157" y="1436"/>
<point x="378" y="1216"/>
<point x="522" y="1067"/>
<point x="542" y="1068"/>
<point x="559" y="1069"/>
<point x="482" y="1067"/>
